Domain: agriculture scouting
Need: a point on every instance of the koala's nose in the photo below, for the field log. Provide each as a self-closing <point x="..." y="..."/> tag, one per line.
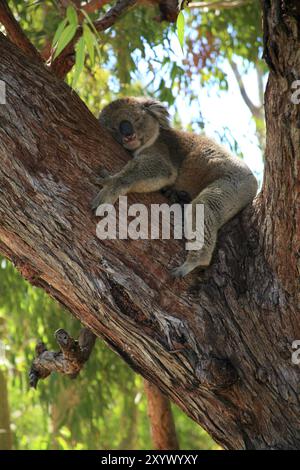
<point x="126" y="128"/>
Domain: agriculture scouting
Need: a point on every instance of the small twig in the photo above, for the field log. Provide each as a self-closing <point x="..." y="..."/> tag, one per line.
<point x="69" y="360"/>
<point x="219" y="4"/>
<point x="15" y="32"/>
<point x="255" y="110"/>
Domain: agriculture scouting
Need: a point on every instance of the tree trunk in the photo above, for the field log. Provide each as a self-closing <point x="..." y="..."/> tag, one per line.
<point x="161" y="419"/>
<point x="218" y="344"/>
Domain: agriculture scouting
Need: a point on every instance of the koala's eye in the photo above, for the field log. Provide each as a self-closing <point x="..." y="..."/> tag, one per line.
<point x="126" y="128"/>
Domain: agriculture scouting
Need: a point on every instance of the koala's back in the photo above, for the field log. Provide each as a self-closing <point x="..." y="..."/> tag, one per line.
<point x="200" y="161"/>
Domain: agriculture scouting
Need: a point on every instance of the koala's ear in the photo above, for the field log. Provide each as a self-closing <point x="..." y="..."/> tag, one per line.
<point x="159" y="111"/>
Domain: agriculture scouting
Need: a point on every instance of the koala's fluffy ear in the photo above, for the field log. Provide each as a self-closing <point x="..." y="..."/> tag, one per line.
<point x="158" y="110"/>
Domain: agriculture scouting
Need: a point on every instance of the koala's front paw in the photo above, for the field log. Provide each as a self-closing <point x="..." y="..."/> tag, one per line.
<point x="105" y="196"/>
<point x="183" y="270"/>
<point x="103" y="177"/>
<point x="178" y="273"/>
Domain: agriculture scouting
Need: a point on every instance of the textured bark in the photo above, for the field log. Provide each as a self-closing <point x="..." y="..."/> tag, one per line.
<point x="161" y="419"/>
<point x="218" y="344"/>
<point x="280" y="215"/>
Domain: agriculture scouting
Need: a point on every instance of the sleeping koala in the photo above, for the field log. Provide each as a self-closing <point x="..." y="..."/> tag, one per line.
<point x="188" y="163"/>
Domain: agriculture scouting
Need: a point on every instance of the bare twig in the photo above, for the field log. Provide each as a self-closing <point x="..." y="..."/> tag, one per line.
<point x="65" y="61"/>
<point x="70" y="360"/>
<point x="15" y="32"/>
<point x="219" y="4"/>
<point x="255" y="110"/>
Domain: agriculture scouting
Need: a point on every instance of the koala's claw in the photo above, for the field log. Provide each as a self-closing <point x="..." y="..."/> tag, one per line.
<point x="177" y="273"/>
<point x="185" y="269"/>
<point x="101" y="180"/>
<point x="103" y="177"/>
<point x="95" y="202"/>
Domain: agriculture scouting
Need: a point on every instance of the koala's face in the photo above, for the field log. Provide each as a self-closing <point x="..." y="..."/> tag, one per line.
<point x="134" y="122"/>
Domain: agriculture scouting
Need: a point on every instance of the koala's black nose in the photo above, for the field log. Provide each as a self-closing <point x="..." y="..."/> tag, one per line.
<point x="126" y="128"/>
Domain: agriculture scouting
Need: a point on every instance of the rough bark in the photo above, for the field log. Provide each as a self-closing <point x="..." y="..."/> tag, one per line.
<point x="163" y="431"/>
<point x="218" y="344"/>
<point x="280" y="210"/>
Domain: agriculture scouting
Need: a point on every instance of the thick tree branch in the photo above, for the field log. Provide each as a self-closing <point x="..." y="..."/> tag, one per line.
<point x="15" y="32"/>
<point x="65" y="61"/>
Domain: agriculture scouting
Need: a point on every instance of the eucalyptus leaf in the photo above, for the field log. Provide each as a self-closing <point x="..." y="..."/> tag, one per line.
<point x="79" y="60"/>
<point x="180" y="28"/>
<point x="65" y="37"/>
<point x="59" y="31"/>
<point x="90" y="42"/>
<point x="72" y="15"/>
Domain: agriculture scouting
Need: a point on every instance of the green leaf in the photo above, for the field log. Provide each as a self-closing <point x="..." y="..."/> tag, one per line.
<point x="66" y="36"/>
<point x="180" y="28"/>
<point x="79" y="60"/>
<point x="90" y="22"/>
<point x="72" y="15"/>
<point x="90" y="42"/>
<point x="59" y="30"/>
<point x="94" y="30"/>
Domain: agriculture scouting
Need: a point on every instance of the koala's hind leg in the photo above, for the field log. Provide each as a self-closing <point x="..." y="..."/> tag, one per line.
<point x="222" y="200"/>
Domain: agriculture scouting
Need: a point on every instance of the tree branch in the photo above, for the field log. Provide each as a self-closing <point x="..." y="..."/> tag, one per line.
<point x="15" y="32"/>
<point x="94" y="5"/>
<point x="69" y="361"/>
<point x="65" y="61"/>
<point x="163" y="430"/>
<point x="219" y="4"/>
<point x="255" y="110"/>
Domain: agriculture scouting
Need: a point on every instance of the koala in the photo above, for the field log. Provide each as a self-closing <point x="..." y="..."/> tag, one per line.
<point x="185" y="162"/>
